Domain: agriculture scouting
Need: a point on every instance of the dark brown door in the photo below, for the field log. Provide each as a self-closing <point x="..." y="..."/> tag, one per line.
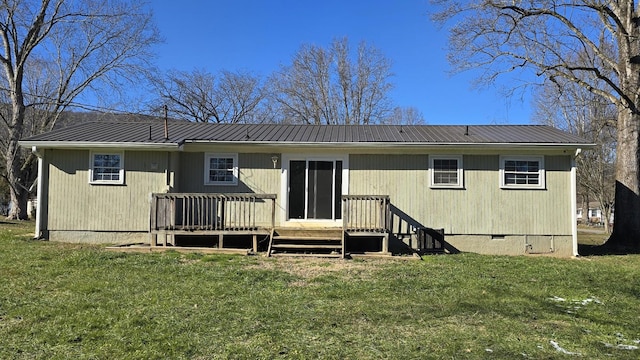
<point x="315" y="187"/>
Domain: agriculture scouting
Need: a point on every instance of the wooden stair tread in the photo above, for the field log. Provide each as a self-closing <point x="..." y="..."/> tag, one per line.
<point x="305" y="246"/>
<point x="307" y="255"/>
<point x="306" y="242"/>
<point x="308" y="232"/>
<point x="305" y="238"/>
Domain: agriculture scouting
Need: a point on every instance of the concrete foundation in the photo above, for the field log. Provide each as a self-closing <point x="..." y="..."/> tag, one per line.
<point x="99" y="237"/>
<point x="553" y="245"/>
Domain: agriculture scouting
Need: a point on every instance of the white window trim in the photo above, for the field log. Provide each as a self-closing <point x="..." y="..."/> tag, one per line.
<point x="541" y="171"/>
<point x="208" y="156"/>
<point x="459" y="185"/>
<point x="120" y="181"/>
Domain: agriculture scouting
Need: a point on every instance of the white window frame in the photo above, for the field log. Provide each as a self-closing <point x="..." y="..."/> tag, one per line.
<point x="433" y="184"/>
<point x="92" y="156"/>
<point x="207" y="163"/>
<point x="541" y="172"/>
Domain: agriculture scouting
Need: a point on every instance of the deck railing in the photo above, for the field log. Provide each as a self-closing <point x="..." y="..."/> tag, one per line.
<point x="366" y="213"/>
<point x="212" y="212"/>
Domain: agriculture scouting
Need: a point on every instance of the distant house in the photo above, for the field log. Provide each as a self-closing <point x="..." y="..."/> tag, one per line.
<point x="489" y="189"/>
<point x="592" y="215"/>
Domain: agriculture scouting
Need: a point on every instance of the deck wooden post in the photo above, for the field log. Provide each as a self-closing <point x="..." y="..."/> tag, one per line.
<point x="273" y="213"/>
<point x="345" y="212"/>
<point x="153" y="216"/>
<point x="255" y="243"/>
<point x="220" y="241"/>
<point x="385" y="243"/>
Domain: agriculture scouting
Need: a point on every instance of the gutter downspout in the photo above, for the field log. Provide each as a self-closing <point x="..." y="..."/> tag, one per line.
<point x="574" y="199"/>
<point x="40" y="155"/>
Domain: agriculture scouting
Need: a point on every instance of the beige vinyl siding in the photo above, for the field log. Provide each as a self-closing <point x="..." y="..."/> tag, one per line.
<point x="256" y="174"/>
<point x="481" y="207"/>
<point x="74" y="204"/>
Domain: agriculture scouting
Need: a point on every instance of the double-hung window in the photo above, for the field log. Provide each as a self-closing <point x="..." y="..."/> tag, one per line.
<point x="446" y="171"/>
<point x="106" y="168"/>
<point x="526" y="172"/>
<point x="221" y="169"/>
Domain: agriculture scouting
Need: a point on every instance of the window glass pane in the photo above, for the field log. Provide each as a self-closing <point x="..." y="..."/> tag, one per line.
<point x="106" y="167"/>
<point x="445" y="171"/>
<point x="221" y="169"/>
<point x="521" y="172"/>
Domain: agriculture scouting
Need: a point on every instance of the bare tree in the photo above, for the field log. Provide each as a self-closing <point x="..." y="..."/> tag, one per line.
<point x="55" y="50"/>
<point x="544" y="37"/>
<point x="570" y="107"/>
<point x="231" y="97"/>
<point x="332" y="86"/>
<point x="404" y="116"/>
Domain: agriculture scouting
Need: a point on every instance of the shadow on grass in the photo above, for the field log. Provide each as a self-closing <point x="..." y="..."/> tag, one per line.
<point x="10" y="222"/>
<point x="605" y="249"/>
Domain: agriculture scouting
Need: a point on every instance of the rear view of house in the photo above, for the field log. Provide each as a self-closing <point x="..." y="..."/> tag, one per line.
<point x="489" y="189"/>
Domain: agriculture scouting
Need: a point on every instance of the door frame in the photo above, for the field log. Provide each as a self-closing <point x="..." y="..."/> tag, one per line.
<point x="284" y="187"/>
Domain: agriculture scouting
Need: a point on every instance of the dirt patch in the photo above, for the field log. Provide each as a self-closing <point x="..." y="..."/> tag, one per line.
<point x="306" y="268"/>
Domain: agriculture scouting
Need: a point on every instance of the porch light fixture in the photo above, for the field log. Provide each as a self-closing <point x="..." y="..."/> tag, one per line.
<point x="274" y="160"/>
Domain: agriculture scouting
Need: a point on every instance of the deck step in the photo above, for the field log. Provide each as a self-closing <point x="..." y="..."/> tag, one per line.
<point x="331" y="232"/>
<point x="308" y="238"/>
<point x="306" y="246"/>
<point x="306" y="255"/>
<point x="308" y="242"/>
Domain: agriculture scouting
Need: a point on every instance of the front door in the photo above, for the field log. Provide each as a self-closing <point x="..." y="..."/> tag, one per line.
<point x="315" y="188"/>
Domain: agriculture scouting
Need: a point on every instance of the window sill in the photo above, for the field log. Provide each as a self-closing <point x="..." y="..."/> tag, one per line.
<point x="450" y="187"/>
<point x="106" y="182"/>
<point x="221" y="184"/>
<point x="522" y="187"/>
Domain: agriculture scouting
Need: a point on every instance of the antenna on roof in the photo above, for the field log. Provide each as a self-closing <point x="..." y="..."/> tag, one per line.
<point x="466" y="130"/>
<point x="166" y="124"/>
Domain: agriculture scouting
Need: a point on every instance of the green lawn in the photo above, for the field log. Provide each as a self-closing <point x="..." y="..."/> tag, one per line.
<point x="61" y="301"/>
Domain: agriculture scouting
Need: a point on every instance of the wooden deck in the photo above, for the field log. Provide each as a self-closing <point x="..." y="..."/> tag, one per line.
<point x="213" y="219"/>
<point x="194" y="214"/>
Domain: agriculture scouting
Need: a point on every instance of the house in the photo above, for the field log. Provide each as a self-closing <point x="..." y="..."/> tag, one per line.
<point x="593" y="215"/>
<point x="503" y="189"/>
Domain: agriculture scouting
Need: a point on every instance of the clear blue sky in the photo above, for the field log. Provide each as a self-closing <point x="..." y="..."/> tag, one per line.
<point x="261" y="35"/>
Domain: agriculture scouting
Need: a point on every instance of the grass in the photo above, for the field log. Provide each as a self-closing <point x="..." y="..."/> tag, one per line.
<point x="591" y="236"/>
<point x="60" y="301"/>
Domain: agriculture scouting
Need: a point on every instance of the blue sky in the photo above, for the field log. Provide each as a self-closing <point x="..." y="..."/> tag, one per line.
<point x="261" y="35"/>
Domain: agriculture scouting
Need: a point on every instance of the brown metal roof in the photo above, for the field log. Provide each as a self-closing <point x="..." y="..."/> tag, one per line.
<point x="181" y="132"/>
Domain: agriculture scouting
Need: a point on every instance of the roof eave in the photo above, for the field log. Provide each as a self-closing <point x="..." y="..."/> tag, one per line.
<point x="98" y="145"/>
<point x="397" y="144"/>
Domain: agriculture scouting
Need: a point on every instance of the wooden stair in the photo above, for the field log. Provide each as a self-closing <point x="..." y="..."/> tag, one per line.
<point x="306" y="242"/>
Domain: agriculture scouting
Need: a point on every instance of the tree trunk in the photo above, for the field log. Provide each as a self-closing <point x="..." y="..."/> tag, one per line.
<point x="626" y="228"/>
<point x="19" y="194"/>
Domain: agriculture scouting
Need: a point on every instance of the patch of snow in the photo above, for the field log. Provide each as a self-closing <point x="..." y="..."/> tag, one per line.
<point x="557" y="298"/>
<point x="562" y="350"/>
<point x="488" y="350"/>
<point x="588" y="301"/>
<point x="636" y="341"/>
<point x="621" y="346"/>
<point x="574" y="305"/>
